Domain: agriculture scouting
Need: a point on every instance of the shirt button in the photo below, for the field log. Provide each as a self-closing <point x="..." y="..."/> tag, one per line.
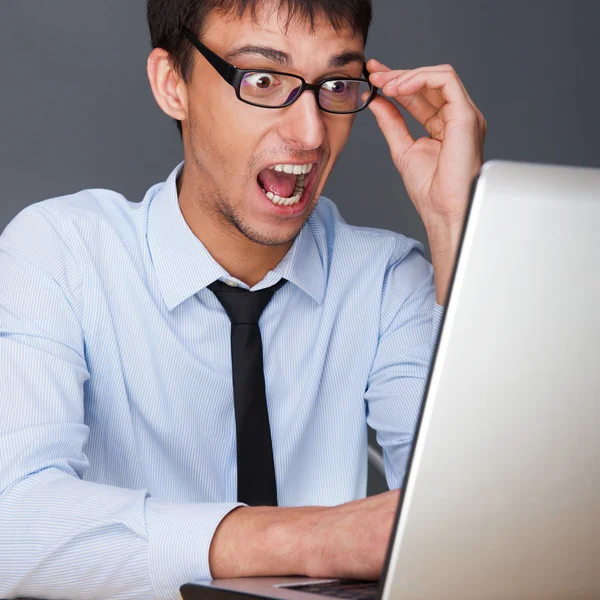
<point x="231" y="283"/>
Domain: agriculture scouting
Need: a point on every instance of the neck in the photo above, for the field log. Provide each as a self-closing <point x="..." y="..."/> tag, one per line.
<point x="240" y="257"/>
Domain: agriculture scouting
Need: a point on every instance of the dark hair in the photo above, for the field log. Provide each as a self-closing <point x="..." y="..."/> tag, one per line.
<point x="167" y="17"/>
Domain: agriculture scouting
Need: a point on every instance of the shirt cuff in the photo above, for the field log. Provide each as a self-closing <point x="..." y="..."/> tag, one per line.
<point x="179" y="541"/>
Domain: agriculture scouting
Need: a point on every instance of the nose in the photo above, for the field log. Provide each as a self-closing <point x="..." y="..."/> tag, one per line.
<point x="302" y="125"/>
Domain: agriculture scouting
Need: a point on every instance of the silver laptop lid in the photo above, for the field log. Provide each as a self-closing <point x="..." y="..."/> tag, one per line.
<point x="503" y="495"/>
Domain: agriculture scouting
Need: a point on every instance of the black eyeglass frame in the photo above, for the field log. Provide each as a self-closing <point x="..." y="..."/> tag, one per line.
<point x="234" y="77"/>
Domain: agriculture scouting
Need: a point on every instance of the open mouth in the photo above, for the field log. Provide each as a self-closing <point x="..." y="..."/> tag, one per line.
<point x="284" y="185"/>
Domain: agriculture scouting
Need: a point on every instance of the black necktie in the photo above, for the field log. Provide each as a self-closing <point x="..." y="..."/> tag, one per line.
<point x="255" y="467"/>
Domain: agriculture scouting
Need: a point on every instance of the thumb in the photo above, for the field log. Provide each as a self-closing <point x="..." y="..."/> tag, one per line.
<point x="394" y="128"/>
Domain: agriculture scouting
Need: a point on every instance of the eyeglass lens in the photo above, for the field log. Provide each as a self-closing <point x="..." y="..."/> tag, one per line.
<point x="271" y="90"/>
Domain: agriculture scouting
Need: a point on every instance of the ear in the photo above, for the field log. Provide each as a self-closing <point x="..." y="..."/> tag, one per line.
<point x="169" y="89"/>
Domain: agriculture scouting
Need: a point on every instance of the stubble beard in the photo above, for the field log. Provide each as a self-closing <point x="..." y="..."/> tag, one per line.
<point x="231" y="218"/>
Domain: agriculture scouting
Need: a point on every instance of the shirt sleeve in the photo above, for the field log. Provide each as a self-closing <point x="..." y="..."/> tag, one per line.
<point x="410" y="322"/>
<point x="61" y="536"/>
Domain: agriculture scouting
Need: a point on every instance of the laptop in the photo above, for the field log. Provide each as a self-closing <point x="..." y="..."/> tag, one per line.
<point x="502" y="493"/>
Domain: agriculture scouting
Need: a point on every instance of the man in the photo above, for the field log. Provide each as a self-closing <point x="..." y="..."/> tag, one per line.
<point x="122" y="471"/>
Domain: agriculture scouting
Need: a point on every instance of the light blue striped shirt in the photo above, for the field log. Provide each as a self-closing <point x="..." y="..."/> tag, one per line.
<point x="117" y="429"/>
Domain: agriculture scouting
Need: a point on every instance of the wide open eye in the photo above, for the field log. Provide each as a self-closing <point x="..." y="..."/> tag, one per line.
<point x="269" y="89"/>
<point x="336" y="87"/>
<point x="343" y="95"/>
<point x="260" y="81"/>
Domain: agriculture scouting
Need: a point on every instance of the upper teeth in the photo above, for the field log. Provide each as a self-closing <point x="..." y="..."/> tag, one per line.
<point x="293" y="169"/>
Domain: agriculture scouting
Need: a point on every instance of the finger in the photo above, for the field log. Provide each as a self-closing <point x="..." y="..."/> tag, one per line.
<point x="445" y="87"/>
<point x="389" y="76"/>
<point x="376" y="67"/>
<point x="416" y="104"/>
<point x="391" y="87"/>
<point x="435" y="98"/>
<point x="373" y="65"/>
<point x="383" y="75"/>
<point x="393" y="126"/>
<point x="380" y="74"/>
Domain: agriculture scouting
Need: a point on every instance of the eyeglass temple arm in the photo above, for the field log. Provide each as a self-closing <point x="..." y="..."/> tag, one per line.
<point x="227" y="71"/>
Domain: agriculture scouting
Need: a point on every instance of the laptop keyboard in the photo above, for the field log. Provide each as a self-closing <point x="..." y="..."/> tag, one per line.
<point x="342" y="588"/>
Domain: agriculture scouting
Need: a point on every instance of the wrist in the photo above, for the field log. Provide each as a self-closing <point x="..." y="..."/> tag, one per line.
<point x="297" y="538"/>
<point x="443" y="233"/>
<point x="444" y="239"/>
<point x="264" y="541"/>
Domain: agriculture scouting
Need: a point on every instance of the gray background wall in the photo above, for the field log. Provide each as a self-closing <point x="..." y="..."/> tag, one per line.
<point x="77" y="111"/>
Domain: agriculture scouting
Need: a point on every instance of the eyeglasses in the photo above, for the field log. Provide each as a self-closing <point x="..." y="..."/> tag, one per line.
<point x="274" y="89"/>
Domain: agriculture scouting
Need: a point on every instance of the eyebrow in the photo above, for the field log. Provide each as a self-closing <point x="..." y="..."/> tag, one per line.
<point x="283" y="58"/>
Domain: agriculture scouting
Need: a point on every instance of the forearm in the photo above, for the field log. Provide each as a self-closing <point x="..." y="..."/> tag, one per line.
<point x="348" y="540"/>
<point x="265" y="541"/>
<point x="444" y="240"/>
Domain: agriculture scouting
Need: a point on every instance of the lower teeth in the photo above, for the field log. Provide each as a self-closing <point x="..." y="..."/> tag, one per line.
<point x="294" y="199"/>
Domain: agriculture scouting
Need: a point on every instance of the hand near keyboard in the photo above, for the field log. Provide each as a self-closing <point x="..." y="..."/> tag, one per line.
<point x="345" y="541"/>
<point x="353" y="538"/>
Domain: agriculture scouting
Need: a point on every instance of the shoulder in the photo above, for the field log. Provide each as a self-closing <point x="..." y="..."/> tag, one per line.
<point x="71" y="215"/>
<point x="376" y="266"/>
<point x="365" y="245"/>
<point x="101" y="206"/>
<point x="55" y="233"/>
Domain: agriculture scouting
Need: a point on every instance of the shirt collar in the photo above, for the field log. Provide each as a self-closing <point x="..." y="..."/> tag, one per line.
<point x="184" y="266"/>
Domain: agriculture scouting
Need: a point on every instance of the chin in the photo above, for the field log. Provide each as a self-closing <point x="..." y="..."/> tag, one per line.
<point x="265" y="224"/>
<point x="271" y="236"/>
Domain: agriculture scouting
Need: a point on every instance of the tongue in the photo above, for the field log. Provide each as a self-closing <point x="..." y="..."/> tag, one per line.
<point x="279" y="183"/>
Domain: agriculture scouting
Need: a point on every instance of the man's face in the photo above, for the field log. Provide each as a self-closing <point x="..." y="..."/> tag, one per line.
<point x="232" y="144"/>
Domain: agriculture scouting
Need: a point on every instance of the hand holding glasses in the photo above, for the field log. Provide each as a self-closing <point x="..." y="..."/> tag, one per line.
<point x="274" y="89"/>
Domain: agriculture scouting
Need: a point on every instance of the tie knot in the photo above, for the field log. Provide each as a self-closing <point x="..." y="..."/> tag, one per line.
<point x="243" y="306"/>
